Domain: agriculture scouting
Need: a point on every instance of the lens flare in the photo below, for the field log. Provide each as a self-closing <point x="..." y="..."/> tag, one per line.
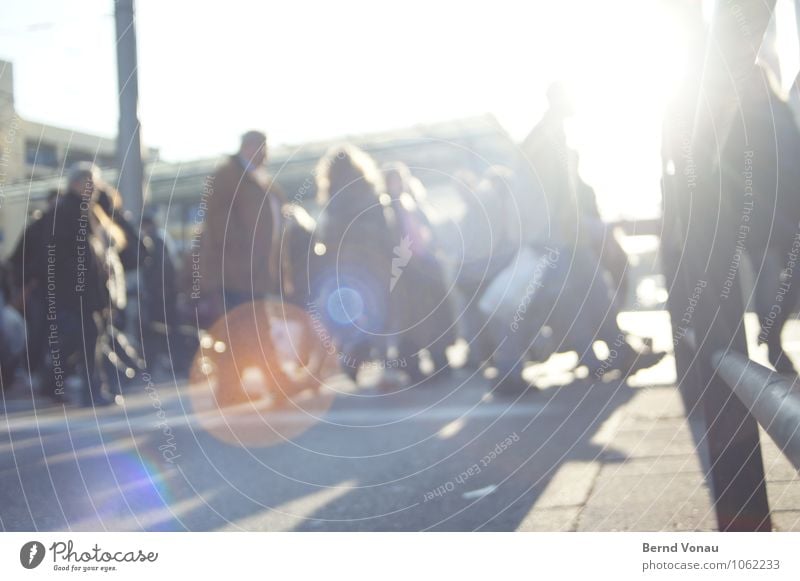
<point x="261" y="380"/>
<point x="345" y="306"/>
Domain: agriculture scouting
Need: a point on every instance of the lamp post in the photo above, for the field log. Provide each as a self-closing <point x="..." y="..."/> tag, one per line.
<point x="129" y="144"/>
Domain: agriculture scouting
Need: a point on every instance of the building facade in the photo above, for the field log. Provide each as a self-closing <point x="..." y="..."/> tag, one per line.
<point x="37" y="153"/>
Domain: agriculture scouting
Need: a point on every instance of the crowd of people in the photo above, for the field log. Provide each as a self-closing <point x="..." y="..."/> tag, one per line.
<point x="67" y="277"/>
<point x="537" y="272"/>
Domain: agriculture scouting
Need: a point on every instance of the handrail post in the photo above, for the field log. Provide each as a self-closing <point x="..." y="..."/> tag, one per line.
<point x="701" y="131"/>
<point x="774" y="400"/>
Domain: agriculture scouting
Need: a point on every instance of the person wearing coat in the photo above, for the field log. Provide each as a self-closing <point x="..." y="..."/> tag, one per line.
<point x="238" y="270"/>
<point x="63" y="260"/>
<point x="585" y="310"/>
<point x="239" y="244"/>
<point x="356" y="228"/>
<point x="422" y="315"/>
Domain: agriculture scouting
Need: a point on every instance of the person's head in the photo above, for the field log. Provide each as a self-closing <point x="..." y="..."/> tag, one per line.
<point x="83" y="179"/>
<point x="560" y="100"/>
<point x="254" y="147"/>
<point x="397" y="177"/>
<point x="347" y="172"/>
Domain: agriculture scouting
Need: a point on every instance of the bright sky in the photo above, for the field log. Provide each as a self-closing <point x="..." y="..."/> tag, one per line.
<point x="308" y="70"/>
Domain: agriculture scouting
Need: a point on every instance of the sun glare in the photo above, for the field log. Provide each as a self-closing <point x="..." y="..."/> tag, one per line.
<point x="622" y="73"/>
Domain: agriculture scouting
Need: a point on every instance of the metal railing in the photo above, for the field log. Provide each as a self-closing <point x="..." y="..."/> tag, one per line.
<point x="704" y="237"/>
<point x="772" y="399"/>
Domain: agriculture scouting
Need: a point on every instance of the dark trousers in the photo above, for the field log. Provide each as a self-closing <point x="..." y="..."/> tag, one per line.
<point x="75" y="346"/>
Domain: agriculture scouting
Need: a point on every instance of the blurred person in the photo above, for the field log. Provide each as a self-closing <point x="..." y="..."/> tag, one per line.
<point x="12" y="332"/>
<point x="66" y="253"/>
<point x="551" y="166"/>
<point x="586" y="309"/>
<point x="544" y="299"/>
<point x="570" y="202"/>
<point x="31" y="297"/>
<point x="302" y="256"/>
<point x="422" y="315"/>
<point x="493" y="236"/>
<point x="473" y="259"/>
<point x="238" y="249"/>
<point x="496" y="192"/>
<point x="158" y="270"/>
<point x="239" y="268"/>
<point x="126" y="251"/>
<point x="525" y="282"/>
<point x="158" y="292"/>
<point x="303" y="259"/>
<point x="356" y="227"/>
<point x="767" y="187"/>
<point x="603" y="239"/>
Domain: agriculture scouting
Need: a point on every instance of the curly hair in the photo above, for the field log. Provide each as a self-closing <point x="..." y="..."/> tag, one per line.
<point x="348" y="177"/>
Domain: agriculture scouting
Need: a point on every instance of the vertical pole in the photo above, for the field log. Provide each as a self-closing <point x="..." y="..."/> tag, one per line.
<point x="713" y="222"/>
<point x="679" y="297"/>
<point x="129" y="145"/>
<point x="678" y="174"/>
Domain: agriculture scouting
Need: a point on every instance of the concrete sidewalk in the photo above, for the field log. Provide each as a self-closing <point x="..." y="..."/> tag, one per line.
<point x="649" y="477"/>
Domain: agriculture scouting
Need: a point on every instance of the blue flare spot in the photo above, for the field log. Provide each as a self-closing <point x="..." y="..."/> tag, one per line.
<point x="345" y="306"/>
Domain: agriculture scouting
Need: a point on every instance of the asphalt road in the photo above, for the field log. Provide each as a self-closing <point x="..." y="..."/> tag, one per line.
<point x="445" y="455"/>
